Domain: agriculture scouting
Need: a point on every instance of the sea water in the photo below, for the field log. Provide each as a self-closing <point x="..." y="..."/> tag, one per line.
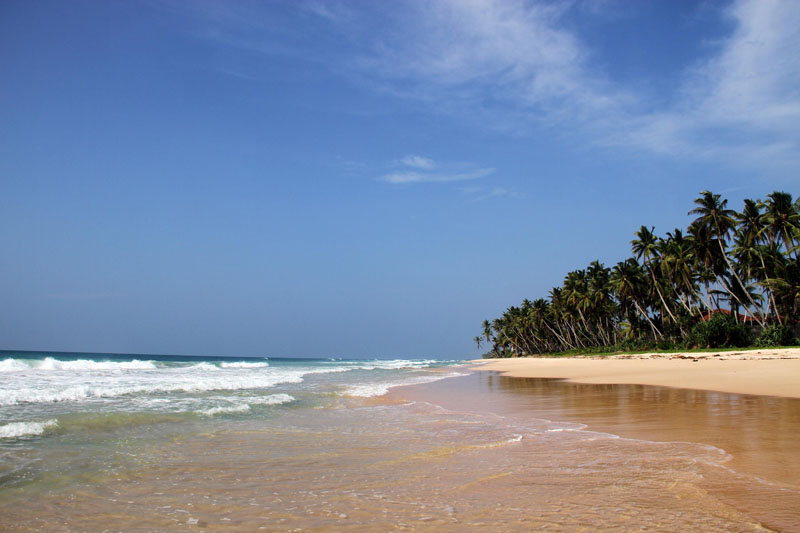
<point x="54" y="405"/>
<point x="92" y="442"/>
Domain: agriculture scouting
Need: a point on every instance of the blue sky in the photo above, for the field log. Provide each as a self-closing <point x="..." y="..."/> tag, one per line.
<point x="363" y="179"/>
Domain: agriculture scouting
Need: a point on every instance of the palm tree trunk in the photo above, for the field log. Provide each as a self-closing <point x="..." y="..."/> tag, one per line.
<point x="658" y="290"/>
<point x="656" y="332"/>
<point x="771" y="296"/>
<point x="575" y="334"/>
<point x="733" y="271"/>
<point x="560" y="338"/>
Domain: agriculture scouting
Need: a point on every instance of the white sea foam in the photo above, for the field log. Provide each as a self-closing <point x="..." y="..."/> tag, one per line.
<point x="163" y="381"/>
<point x="511" y="440"/>
<point x="404" y="363"/>
<point x="394" y="364"/>
<point x="244" y="406"/>
<point x="205" y="367"/>
<point x="241" y="408"/>
<point x="368" y="390"/>
<point x="244" y="365"/>
<point x="51" y="380"/>
<point x="13" y="365"/>
<point x="50" y="363"/>
<point x="25" y="429"/>
<point x="79" y="365"/>
<point x="273" y="399"/>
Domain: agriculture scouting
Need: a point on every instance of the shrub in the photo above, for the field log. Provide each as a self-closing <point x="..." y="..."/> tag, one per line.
<point x="775" y="335"/>
<point x="633" y="344"/>
<point x="720" y="331"/>
<point x="668" y="345"/>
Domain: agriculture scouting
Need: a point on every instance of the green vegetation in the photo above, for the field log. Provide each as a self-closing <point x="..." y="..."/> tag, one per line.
<point x="733" y="279"/>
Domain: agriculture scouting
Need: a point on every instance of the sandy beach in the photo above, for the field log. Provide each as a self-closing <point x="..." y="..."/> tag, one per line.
<point x="772" y="372"/>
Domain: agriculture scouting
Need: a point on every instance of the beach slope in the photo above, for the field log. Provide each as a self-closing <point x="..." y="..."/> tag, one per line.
<point x="773" y="372"/>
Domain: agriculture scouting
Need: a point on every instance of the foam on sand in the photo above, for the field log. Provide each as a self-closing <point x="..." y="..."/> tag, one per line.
<point x="369" y="390"/>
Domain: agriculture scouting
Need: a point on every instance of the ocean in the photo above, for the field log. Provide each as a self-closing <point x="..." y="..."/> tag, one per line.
<point x="109" y="442"/>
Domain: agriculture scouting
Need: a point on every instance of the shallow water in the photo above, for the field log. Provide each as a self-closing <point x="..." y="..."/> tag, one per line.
<point x="471" y="452"/>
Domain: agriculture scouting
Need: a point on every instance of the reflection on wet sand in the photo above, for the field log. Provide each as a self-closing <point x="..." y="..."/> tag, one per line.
<point x="760" y="434"/>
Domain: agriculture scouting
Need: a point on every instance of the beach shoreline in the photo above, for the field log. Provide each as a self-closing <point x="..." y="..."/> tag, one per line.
<point x="767" y="372"/>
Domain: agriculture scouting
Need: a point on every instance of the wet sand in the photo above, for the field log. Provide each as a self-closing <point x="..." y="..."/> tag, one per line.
<point x="760" y="475"/>
<point x="762" y="372"/>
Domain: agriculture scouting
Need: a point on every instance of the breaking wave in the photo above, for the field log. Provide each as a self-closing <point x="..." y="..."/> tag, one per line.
<point x="26" y="429"/>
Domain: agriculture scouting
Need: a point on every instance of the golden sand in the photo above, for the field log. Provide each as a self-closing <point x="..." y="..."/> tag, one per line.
<point x="773" y="372"/>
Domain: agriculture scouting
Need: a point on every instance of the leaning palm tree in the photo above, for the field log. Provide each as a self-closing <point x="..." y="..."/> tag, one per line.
<point x="677" y="265"/>
<point x="645" y="248"/>
<point x="749" y="261"/>
<point x="748" y="249"/>
<point x="786" y="287"/>
<point x="781" y="220"/>
<point x="628" y="280"/>
<point x="719" y="222"/>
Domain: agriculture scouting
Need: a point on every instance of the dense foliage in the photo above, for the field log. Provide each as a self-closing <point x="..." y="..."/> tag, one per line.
<point x="731" y="279"/>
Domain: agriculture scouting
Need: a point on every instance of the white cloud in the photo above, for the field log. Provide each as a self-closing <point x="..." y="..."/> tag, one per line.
<point x="413" y="176"/>
<point x="418" y="162"/>
<point x="418" y="169"/>
<point x="484" y="51"/>
<point x="320" y="9"/>
<point x="755" y="81"/>
<point x="515" y="62"/>
<point x="511" y="64"/>
<point x="741" y="105"/>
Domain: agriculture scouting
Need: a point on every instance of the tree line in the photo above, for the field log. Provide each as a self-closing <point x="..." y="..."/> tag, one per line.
<point x="732" y="278"/>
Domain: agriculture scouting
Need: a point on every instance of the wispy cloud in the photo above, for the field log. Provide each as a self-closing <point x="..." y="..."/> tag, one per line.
<point x="508" y="57"/>
<point x="418" y="169"/>
<point x="422" y="177"/>
<point x="518" y="64"/>
<point x="418" y="162"/>
<point x="743" y="104"/>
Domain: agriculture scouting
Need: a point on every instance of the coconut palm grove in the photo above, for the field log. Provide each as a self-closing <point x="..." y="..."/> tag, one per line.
<point x="732" y="278"/>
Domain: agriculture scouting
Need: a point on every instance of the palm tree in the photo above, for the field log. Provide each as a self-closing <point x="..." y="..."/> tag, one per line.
<point x="786" y="287"/>
<point x="628" y="281"/>
<point x="781" y="220"/>
<point x="645" y="247"/>
<point x="749" y="234"/>
<point x="718" y="222"/>
<point x="729" y="254"/>
<point x="487" y="331"/>
<point x="676" y="264"/>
